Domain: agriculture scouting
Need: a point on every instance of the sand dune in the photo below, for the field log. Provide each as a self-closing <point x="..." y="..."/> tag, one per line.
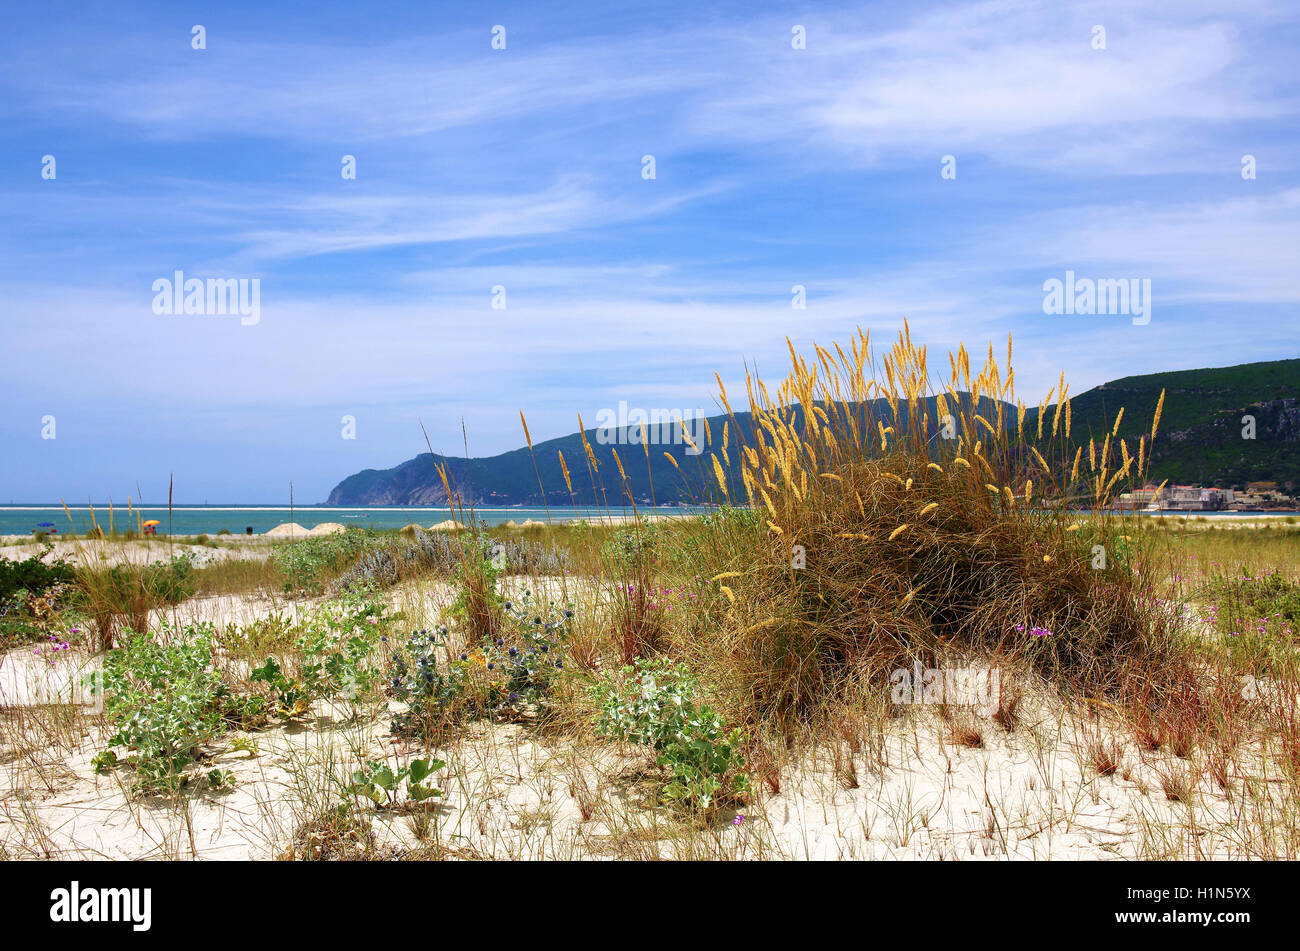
<point x="328" y="528"/>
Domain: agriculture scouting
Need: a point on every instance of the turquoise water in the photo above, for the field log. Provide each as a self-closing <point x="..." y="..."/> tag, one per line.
<point x="211" y="519"/>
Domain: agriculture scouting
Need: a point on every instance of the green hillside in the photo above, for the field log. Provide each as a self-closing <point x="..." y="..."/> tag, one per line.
<point x="1199" y="442"/>
<point x="1200" y="436"/>
<point x="510" y="479"/>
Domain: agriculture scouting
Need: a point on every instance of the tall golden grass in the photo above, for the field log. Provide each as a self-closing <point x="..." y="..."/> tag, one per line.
<point x="899" y="520"/>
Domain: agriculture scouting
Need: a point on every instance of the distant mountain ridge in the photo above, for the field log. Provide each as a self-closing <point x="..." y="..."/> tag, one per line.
<point x="510" y="478"/>
<point x="1199" y="441"/>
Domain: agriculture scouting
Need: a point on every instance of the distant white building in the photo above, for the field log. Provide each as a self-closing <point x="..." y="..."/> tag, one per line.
<point x="1177" y="498"/>
<point x="1193" y="498"/>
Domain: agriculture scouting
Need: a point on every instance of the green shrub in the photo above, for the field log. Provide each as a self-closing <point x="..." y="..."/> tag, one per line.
<point x="17" y="624"/>
<point x="164" y="701"/>
<point x="29" y="594"/>
<point x="335" y="646"/>
<point x="630" y="550"/>
<point x="274" y="634"/>
<point x="308" y="564"/>
<point x="653" y="704"/>
<point x="33" y="574"/>
<point x="478" y="604"/>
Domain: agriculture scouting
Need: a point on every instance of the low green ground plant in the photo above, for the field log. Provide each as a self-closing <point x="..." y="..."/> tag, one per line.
<point x="164" y="700"/>
<point x="654" y="703"/>
<point x="381" y="784"/>
<point x="1256" y="615"/>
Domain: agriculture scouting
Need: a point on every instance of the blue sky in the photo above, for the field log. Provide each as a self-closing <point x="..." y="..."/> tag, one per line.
<point x="522" y="168"/>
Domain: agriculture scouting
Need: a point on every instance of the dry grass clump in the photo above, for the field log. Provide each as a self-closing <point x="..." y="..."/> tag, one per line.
<point x="896" y="523"/>
<point x="1105" y="755"/>
<point x="966" y="734"/>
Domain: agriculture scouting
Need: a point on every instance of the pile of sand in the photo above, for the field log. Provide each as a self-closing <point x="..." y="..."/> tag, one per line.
<point x="328" y="528"/>
<point x="287" y="528"/>
<point x="512" y="524"/>
<point x="532" y="523"/>
<point x="449" y="525"/>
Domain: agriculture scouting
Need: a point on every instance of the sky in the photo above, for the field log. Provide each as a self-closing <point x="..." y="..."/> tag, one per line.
<point x="934" y="162"/>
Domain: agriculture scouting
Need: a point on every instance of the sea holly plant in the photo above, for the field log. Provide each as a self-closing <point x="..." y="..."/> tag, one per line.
<point x="336" y="646"/>
<point x="652" y="703"/>
<point x="380" y="783"/>
<point x="529" y="652"/>
<point x="431" y="690"/>
<point x="513" y="671"/>
<point x="164" y="700"/>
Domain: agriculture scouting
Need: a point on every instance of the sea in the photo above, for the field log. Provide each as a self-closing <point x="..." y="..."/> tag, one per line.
<point x="240" y="519"/>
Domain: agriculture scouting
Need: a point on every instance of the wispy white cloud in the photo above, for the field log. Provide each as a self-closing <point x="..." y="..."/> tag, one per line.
<point x="1017" y="81"/>
<point x="333" y="224"/>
